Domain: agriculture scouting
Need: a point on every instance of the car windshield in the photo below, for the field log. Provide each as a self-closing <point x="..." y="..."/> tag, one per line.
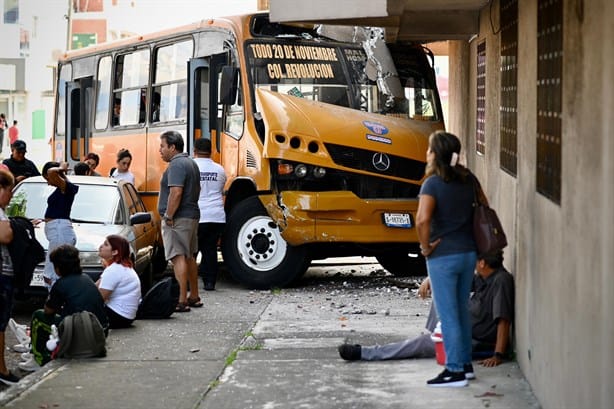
<point x="93" y="203"/>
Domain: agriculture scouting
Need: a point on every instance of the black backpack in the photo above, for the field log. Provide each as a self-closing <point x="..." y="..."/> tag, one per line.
<point x="25" y="251"/>
<point x="160" y="301"/>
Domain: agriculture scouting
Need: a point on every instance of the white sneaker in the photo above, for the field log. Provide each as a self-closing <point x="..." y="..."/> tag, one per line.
<point x="22" y="347"/>
<point x="20" y="331"/>
<point x="30" y="365"/>
<point x="26" y="356"/>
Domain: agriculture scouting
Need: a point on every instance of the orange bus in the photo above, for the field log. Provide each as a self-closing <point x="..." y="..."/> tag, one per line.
<point x="322" y="137"/>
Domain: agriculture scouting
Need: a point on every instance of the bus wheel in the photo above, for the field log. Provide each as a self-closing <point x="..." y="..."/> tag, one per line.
<point x="254" y="251"/>
<point x="403" y="263"/>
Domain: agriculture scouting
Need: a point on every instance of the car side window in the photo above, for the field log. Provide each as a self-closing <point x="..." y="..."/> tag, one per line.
<point x="138" y="203"/>
<point x="132" y="207"/>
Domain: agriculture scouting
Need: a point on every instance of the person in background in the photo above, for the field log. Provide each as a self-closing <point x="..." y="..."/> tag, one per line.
<point x="117" y="109"/>
<point x="444" y="222"/>
<point x="6" y="275"/>
<point x="13" y="133"/>
<point x="2" y="128"/>
<point x="155" y="107"/>
<point x="19" y="166"/>
<point x="58" y="227"/>
<point x="119" y="284"/>
<point x="73" y="292"/>
<point x="122" y="171"/>
<point x="212" y="216"/>
<point x="93" y="160"/>
<point x="82" y="169"/>
<point x="492" y="313"/>
<point x="178" y="208"/>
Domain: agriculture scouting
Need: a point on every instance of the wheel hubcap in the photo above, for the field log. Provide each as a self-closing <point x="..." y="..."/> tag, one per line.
<point x="260" y="244"/>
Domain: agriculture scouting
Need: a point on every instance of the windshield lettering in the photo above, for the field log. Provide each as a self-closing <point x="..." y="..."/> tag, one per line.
<point x="279" y="71"/>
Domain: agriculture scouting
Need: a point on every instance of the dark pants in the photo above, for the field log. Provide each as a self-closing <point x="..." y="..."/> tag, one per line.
<point x="116" y="320"/>
<point x="6" y="301"/>
<point x="208" y="236"/>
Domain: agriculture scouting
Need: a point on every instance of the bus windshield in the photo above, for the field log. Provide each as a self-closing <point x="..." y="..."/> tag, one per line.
<point x="309" y="71"/>
<point x="336" y="74"/>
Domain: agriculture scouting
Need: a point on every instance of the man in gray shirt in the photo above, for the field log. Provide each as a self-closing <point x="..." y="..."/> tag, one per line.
<point x="178" y="208"/>
<point x="492" y="313"/>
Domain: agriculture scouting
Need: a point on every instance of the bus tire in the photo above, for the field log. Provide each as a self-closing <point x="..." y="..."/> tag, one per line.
<point x="403" y="263"/>
<point x="255" y="252"/>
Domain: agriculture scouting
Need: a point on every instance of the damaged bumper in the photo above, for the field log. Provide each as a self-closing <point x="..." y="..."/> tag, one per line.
<point x="315" y="217"/>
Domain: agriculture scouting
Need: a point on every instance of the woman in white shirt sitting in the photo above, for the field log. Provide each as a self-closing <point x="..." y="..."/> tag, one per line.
<point x="119" y="284"/>
<point x="124" y="159"/>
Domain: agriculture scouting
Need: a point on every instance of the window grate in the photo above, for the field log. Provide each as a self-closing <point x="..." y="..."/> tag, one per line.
<point x="480" y="137"/>
<point x="509" y="86"/>
<point x="549" y="95"/>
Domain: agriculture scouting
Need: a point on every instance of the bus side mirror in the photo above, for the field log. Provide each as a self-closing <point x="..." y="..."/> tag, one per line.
<point x="229" y="85"/>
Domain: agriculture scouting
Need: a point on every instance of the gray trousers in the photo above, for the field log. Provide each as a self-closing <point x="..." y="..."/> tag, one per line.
<point x="419" y="347"/>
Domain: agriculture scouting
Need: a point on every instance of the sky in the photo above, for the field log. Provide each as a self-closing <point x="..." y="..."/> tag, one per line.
<point x="144" y="16"/>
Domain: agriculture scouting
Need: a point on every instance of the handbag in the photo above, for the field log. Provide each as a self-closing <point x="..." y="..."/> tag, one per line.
<point x="487" y="230"/>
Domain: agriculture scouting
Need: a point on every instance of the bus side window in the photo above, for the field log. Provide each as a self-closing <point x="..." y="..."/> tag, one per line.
<point x="103" y="88"/>
<point x="169" y="99"/>
<point x="130" y="88"/>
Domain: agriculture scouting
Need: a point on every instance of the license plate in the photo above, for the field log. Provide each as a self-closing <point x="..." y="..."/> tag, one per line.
<point x="37" y="280"/>
<point x="401" y="220"/>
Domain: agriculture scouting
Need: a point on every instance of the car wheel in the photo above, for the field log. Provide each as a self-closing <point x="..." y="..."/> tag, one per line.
<point x="403" y="263"/>
<point x="255" y="252"/>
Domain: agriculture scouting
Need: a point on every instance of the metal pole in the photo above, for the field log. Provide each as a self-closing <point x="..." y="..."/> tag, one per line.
<point x="69" y="26"/>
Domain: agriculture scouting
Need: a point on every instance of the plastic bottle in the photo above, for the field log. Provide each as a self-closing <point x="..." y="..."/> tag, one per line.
<point x="437" y="337"/>
<point x="54" y="337"/>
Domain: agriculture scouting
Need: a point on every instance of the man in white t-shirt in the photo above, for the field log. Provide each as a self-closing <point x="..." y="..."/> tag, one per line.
<point x="212" y="215"/>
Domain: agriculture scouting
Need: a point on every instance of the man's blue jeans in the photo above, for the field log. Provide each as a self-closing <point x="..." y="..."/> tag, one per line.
<point x="58" y="232"/>
<point x="451" y="276"/>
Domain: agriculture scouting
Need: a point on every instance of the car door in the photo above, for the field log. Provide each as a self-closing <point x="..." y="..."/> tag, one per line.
<point x="145" y="233"/>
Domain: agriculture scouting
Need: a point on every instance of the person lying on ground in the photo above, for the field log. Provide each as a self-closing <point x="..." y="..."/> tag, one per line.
<point x="492" y="313"/>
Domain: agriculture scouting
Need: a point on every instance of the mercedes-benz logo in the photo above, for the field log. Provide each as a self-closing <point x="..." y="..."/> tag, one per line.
<point x="381" y="161"/>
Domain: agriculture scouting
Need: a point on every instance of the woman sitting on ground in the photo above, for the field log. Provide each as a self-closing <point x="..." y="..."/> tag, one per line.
<point x="73" y="292"/>
<point x="119" y="284"/>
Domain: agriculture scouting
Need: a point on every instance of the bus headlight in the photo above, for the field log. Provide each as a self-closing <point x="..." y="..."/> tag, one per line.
<point x="300" y="171"/>
<point x="319" y="172"/>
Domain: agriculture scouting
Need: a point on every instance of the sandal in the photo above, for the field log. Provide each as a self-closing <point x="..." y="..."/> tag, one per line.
<point x="195" y="302"/>
<point x="182" y="307"/>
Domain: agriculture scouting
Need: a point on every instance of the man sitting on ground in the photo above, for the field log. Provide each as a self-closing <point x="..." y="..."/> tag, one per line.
<point x="492" y="313"/>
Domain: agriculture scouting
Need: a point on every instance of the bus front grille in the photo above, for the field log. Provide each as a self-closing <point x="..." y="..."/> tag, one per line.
<point x="363" y="186"/>
<point x="376" y="162"/>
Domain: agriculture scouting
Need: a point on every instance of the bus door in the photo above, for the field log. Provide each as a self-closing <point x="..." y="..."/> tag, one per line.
<point x="204" y="110"/>
<point x="79" y="102"/>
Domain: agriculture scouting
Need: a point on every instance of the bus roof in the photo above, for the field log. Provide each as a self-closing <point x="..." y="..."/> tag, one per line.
<point x="231" y="22"/>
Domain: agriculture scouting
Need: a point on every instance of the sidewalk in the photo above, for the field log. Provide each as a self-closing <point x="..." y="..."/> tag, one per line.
<point x="280" y="349"/>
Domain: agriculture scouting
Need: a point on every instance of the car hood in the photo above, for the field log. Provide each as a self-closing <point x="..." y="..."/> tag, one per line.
<point x="89" y="236"/>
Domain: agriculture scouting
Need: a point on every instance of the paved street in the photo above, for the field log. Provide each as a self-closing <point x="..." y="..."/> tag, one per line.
<point x="263" y="349"/>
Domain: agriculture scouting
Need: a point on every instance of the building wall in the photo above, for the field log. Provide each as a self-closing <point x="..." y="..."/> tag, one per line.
<point x="560" y="254"/>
